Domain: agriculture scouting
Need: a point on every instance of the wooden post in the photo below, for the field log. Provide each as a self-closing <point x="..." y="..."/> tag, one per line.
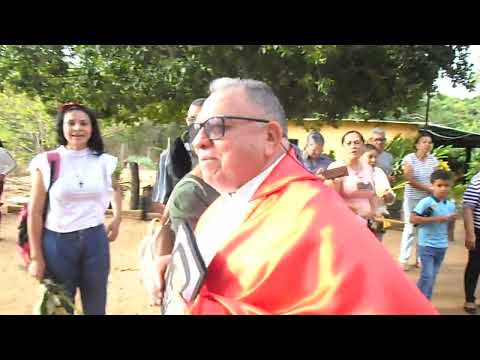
<point x="123" y="152"/>
<point x="146" y="201"/>
<point x="135" y="186"/>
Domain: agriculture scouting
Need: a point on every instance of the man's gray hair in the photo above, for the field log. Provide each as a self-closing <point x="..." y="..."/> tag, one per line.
<point x="378" y="131"/>
<point x="259" y="93"/>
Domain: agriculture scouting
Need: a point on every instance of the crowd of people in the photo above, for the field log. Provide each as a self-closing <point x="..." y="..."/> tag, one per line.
<point x="259" y="226"/>
<point x="243" y="156"/>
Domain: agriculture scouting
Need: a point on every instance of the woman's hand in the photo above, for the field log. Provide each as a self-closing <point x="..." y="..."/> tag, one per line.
<point x="112" y="229"/>
<point x="36" y="268"/>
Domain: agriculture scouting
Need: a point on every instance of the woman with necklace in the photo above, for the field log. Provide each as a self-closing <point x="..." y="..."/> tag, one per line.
<point x="357" y="189"/>
<point x="72" y="246"/>
<point x="417" y="169"/>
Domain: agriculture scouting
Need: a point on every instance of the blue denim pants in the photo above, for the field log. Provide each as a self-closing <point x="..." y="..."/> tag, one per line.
<point x="432" y="259"/>
<point x="80" y="259"/>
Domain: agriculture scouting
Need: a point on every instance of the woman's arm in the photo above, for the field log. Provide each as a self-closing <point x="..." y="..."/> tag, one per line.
<point x="408" y="174"/>
<point x="38" y="197"/>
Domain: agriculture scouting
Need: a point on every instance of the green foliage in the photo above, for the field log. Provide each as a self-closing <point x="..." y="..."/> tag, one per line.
<point x="140" y="138"/>
<point x="143" y="161"/>
<point x="463" y="114"/>
<point x="128" y="83"/>
<point x="473" y="170"/>
<point x="332" y="154"/>
<point x="442" y="152"/>
<point x="399" y="147"/>
<point x="26" y="127"/>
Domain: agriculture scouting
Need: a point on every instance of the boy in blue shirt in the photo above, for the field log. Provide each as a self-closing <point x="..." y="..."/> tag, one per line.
<point x="435" y="217"/>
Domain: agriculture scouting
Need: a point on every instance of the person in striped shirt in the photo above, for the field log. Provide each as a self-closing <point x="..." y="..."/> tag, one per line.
<point x="471" y="218"/>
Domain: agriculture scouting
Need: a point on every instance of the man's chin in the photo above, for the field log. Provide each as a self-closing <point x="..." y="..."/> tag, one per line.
<point x="219" y="185"/>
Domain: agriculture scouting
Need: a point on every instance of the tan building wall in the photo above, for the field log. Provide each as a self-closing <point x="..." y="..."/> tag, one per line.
<point x="333" y="135"/>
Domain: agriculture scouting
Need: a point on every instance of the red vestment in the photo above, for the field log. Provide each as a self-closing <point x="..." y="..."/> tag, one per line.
<point x="301" y="250"/>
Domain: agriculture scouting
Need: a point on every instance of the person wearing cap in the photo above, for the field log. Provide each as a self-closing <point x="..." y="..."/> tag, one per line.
<point x="313" y="158"/>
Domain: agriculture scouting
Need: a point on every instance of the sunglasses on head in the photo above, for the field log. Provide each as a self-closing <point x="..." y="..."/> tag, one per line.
<point x="65" y="107"/>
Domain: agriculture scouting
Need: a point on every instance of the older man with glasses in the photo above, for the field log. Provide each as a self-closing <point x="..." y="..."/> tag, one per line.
<point x="277" y="240"/>
<point x="384" y="159"/>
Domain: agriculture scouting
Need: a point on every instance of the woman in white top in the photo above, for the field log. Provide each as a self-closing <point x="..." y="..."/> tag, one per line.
<point x="72" y="245"/>
<point x="417" y="169"/>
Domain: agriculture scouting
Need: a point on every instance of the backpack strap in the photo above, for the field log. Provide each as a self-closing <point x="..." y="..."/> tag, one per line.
<point x="53" y="158"/>
<point x="196" y="182"/>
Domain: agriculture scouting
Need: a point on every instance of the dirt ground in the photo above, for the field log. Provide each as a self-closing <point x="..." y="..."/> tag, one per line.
<point x="127" y="296"/>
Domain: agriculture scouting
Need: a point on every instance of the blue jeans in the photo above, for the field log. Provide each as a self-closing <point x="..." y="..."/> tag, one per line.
<point x="431" y="260"/>
<point x="80" y="259"/>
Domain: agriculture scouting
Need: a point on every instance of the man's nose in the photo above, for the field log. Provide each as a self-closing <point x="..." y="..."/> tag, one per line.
<point x="200" y="141"/>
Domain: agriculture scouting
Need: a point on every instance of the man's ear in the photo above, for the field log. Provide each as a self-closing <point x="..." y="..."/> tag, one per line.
<point x="274" y="137"/>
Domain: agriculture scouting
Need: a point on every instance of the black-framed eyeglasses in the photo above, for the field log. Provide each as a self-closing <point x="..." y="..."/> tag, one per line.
<point x="215" y="126"/>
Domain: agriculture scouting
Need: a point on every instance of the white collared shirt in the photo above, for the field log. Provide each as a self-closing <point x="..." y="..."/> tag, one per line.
<point x="235" y="207"/>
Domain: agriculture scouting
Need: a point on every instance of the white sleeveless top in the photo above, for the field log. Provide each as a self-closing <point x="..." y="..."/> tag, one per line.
<point x="82" y="191"/>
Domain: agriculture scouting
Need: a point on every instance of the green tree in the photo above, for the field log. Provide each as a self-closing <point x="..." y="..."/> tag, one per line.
<point x="128" y="83"/>
<point x="26" y="129"/>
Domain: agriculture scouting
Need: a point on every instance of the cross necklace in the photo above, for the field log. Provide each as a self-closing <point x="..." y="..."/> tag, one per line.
<point x="80" y="182"/>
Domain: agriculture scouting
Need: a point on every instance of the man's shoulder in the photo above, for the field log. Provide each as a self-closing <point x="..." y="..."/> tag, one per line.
<point x="387" y="155"/>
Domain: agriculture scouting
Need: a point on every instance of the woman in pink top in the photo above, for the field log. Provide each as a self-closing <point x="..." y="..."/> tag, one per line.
<point x="358" y="187"/>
